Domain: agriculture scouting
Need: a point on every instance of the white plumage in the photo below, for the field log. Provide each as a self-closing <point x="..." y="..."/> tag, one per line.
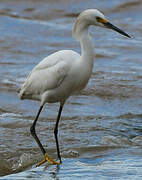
<point x="56" y="77"/>
<point x="65" y="72"/>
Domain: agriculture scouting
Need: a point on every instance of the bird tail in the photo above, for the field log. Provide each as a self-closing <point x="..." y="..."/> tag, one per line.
<point x="21" y="94"/>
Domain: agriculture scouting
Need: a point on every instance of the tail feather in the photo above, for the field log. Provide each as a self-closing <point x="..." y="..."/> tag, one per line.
<point x="21" y="94"/>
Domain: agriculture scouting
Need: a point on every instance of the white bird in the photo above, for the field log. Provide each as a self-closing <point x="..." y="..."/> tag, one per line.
<point x="64" y="73"/>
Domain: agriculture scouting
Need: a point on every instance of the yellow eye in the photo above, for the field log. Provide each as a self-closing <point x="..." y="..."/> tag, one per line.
<point x="101" y="20"/>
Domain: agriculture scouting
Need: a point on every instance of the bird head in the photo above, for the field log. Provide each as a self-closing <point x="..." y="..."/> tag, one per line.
<point x="96" y="18"/>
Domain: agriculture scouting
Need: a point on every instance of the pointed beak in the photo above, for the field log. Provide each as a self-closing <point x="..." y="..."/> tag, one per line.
<point x="111" y="26"/>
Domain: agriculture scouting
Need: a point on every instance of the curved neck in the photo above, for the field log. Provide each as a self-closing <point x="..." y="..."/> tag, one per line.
<point x="87" y="46"/>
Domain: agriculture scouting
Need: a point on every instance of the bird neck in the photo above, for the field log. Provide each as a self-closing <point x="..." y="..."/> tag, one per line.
<point x="87" y="46"/>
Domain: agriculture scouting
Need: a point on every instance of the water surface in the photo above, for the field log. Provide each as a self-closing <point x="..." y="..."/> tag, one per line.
<point x="100" y="132"/>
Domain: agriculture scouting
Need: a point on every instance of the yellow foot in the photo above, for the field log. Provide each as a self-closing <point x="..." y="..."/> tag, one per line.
<point x="49" y="159"/>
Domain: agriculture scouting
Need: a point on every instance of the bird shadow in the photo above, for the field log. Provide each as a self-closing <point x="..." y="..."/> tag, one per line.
<point x="53" y="172"/>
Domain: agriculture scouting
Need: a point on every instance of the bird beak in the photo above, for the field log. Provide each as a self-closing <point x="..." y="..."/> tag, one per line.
<point x="111" y="26"/>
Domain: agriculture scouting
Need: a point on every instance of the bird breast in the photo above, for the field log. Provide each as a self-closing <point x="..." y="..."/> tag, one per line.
<point x="81" y="74"/>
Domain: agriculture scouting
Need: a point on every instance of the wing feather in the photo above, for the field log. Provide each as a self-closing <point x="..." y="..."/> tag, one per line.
<point x="47" y="75"/>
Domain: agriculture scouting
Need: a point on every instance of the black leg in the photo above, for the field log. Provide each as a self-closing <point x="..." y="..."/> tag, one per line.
<point x="33" y="132"/>
<point x="56" y="132"/>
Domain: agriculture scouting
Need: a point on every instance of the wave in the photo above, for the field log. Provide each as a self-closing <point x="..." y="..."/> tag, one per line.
<point x="125" y="6"/>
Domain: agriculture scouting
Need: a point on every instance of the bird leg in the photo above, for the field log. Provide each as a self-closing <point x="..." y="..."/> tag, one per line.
<point x="33" y="132"/>
<point x="56" y="132"/>
<point x="48" y="159"/>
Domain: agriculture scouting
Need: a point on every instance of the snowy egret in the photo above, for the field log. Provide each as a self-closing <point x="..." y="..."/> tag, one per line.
<point x="64" y="73"/>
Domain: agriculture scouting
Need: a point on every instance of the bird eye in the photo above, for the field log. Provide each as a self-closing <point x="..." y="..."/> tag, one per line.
<point x="99" y="19"/>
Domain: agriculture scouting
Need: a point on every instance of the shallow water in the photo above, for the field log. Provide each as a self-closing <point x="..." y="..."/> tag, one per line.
<point x="100" y="131"/>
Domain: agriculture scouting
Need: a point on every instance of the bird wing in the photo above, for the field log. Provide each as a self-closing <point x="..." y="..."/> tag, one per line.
<point x="47" y="75"/>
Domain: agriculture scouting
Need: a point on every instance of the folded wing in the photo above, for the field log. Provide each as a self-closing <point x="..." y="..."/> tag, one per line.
<point x="47" y="75"/>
